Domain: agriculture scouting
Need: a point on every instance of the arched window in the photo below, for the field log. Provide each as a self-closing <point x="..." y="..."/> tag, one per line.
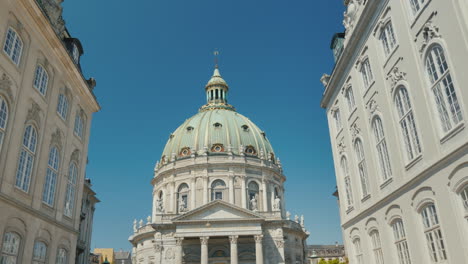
<point x="407" y="123"/>
<point x="350" y="99"/>
<point x="217" y="190"/>
<point x="337" y="117"/>
<point x="382" y="150"/>
<point x="13" y="46"/>
<point x="347" y="181"/>
<point x="26" y="158"/>
<point x="41" y="78"/>
<point x="400" y="242"/>
<point x="377" y="247"/>
<point x="3" y="119"/>
<point x="10" y="248"/>
<point x="387" y="36"/>
<point x="79" y="124"/>
<point x="253" y="192"/>
<point x="182" y="199"/>
<point x="366" y="73"/>
<point x="464" y="197"/>
<point x="62" y="106"/>
<point x="358" y="250"/>
<point x="433" y="233"/>
<point x="443" y="89"/>
<point x="362" y="167"/>
<point x="71" y="189"/>
<point x="416" y="5"/>
<point x="62" y="256"/>
<point x="51" y="177"/>
<point x="39" y="253"/>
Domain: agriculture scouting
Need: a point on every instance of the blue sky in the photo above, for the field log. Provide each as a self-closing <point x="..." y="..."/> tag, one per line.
<point x="151" y="60"/>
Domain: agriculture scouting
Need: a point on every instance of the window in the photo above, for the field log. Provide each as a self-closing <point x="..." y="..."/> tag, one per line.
<point x="26" y="158"/>
<point x="362" y="167"/>
<point x="366" y="73"/>
<point x="71" y="188"/>
<point x="435" y="241"/>
<point x="337" y="117"/>
<point x="79" y="125"/>
<point x="400" y="242"/>
<point x="347" y="181"/>
<point x="464" y="197"/>
<point x="250" y="150"/>
<point x="358" y="251"/>
<point x="62" y="107"/>
<point x="41" y="79"/>
<point x="381" y="146"/>
<point x="443" y="89"/>
<point x="51" y="177"/>
<point x="416" y="5"/>
<point x="407" y="123"/>
<point x="10" y="248"/>
<point x="217" y="189"/>
<point x="253" y="191"/>
<point x="183" y="193"/>
<point x="387" y="36"/>
<point x="377" y="247"/>
<point x="13" y="46"/>
<point x="39" y="253"/>
<point x="3" y="119"/>
<point x="62" y="256"/>
<point x="350" y="98"/>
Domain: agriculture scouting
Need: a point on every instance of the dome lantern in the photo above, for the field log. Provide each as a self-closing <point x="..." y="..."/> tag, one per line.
<point x="216" y="93"/>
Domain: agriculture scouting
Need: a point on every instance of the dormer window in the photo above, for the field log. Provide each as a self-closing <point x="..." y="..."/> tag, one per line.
<point x="75" y="53"/>
<point x="185" y="152"/>
<point x="250" y="150"/>
<point x="217" y="125"/>
<point x="217" y="148"/>
<point x="245" y="128"/>
<point x="190" y="128"/>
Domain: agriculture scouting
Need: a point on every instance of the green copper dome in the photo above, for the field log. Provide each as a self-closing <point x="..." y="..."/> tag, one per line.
<point x="217" y="129"/>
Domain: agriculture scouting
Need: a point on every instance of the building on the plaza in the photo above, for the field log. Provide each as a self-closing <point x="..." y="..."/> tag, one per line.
<point x="46" y="106"/>
<point x="218" y="194"/>
<point x="397" y="108"/>
<point x="94" y="258"/>
<point x="105" y="254"/>
<point x="88" y="206"/>
<point x="316" y="253"/>
<point x="123" y="257"/>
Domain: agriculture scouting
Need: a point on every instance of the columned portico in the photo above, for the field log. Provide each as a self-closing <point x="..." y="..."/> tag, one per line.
<point x="204" y="249"/>
<point x="234" y="255"/>
<point x="259" y="249"/>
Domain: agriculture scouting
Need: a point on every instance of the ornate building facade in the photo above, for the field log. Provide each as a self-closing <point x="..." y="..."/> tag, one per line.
<point x="316" y="253"/>
<point x="46" y="107"/>
<point x="218" y="194"/>
<point x="397" y="107"/>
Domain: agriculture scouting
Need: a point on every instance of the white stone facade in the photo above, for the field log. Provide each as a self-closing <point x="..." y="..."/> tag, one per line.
<point x="399" y="139"/>
<point x="39" y="218"/>
<point x="218" y="197"/>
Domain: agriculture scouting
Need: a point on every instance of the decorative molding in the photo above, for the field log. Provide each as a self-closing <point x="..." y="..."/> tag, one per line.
<point x="341" y="146"/>
<point x="233" y="239"/>
<point x="75" y="155"/>
<point x="355" y="130"/>
<point x="429" y="32"/>
<point x="57" y="138"/>
<point x="34" y="113"/>
<point x="279" y="243"/>
<point x="170" y="254"/>
<point x="158" y="248"/>
<point x="258" y="239"/>
<point x="179" y="241"/>
<point x="372" y="106"/>
<point x="5" y="85"/>
<point x="204" y="240"/>
<point x="394" y="76"/>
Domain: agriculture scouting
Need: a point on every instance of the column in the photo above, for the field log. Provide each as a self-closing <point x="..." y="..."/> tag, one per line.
<point x="231" y="189"/>
<point x="204" y="249"/>
<point x="233" y="240"/>
<point x="243" y="193"/>
<point x="265" y="202"/>
<point x="173" y="204"/>
<point x="179" y="250"/>
<point x="272" y="194"/>
<point x="192" y="196"/>
<point x="205" y="190"/>
<point x="258" y="249"/>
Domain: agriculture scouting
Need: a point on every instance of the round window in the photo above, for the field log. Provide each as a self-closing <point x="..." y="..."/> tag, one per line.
<point x="250" y="150"/>
<point x="185" y="152"/>
<point x="217" y="148"/>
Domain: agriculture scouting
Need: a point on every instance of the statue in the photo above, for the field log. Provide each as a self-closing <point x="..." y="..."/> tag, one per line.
<point x="288" y="215"/>
<point x="296" y="219"/>
<point x="253" y="204"/>
<point x="325" y="79"/>
<point x="148" y="220"/>
<point x="182" y="205"/>
<point x="302" y="220"/>
<point x="241" y="150"/>
<point x="135" y="229"/>
<point x="141" y="223"/>
<point x="159" y="205"/>
<point x="276" y="204"/>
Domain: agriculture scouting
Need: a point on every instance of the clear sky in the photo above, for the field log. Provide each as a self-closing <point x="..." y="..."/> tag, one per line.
<point x="152" y="59"/>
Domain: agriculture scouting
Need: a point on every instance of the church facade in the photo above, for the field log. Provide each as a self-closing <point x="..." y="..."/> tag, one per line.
<point x="218" y="194"/>
<point x="397" y="107"/>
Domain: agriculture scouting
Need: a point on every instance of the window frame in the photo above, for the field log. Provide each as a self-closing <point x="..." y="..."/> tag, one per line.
<point x="23" y="181"/>
<point x="350" y="99"/>
<point x="63" y="105"/>
<point x="70" y="190"/>
<point x="4" y="114"/>
<point x="376" y="246"/>
<point x="381" y="148"/>
<point x="400" y="241"/>
<point x="358" y="255"/>
<point x="78" y="128"/>
<point x="13" y="54"/>
<point x="35" y="259"/>
<point x="337" y="118"/>
<point x="4" y="251"/>
<point x="366" y="73"/>
<point x="62" y="259"/>
<point x="433" y="233"/>
<point x="388" y="39"/>
<point x="347" y="182"/>
<point x="362" y="166"/>
<point x="52" y="172"/>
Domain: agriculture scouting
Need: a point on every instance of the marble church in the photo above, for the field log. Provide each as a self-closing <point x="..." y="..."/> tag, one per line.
<point x="218" y="194"/>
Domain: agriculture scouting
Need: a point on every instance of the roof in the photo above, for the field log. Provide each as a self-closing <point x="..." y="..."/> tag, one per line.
<point x="122" y="255"/>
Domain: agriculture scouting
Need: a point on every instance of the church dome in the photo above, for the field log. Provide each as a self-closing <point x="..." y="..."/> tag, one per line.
<point x="217" y="129"/>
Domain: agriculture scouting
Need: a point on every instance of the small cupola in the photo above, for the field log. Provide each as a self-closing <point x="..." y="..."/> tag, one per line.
<point x="216" y="89"/>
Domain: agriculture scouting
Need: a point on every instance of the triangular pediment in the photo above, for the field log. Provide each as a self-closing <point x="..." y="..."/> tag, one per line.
<point x="218" y="211"/>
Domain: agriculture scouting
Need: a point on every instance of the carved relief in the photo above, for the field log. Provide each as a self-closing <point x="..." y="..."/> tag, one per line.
<point x="204" y="240"/>
<point x="279" y="243"/>
<point x="75" y="155"/>
<point x="429" y="32"/>
<point x="170" y="253"/>
<point x="158" y="248"/>
<point x="355" y="130"/>
<point x="5" y="86"/>
<point x="372" y="106"/>
<point x="341" y="146"/>
<point x="57" y="138"/>
<point x="34" y="113"/>
<point x="349" y="16"/>
<point x="394" y="76"/>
